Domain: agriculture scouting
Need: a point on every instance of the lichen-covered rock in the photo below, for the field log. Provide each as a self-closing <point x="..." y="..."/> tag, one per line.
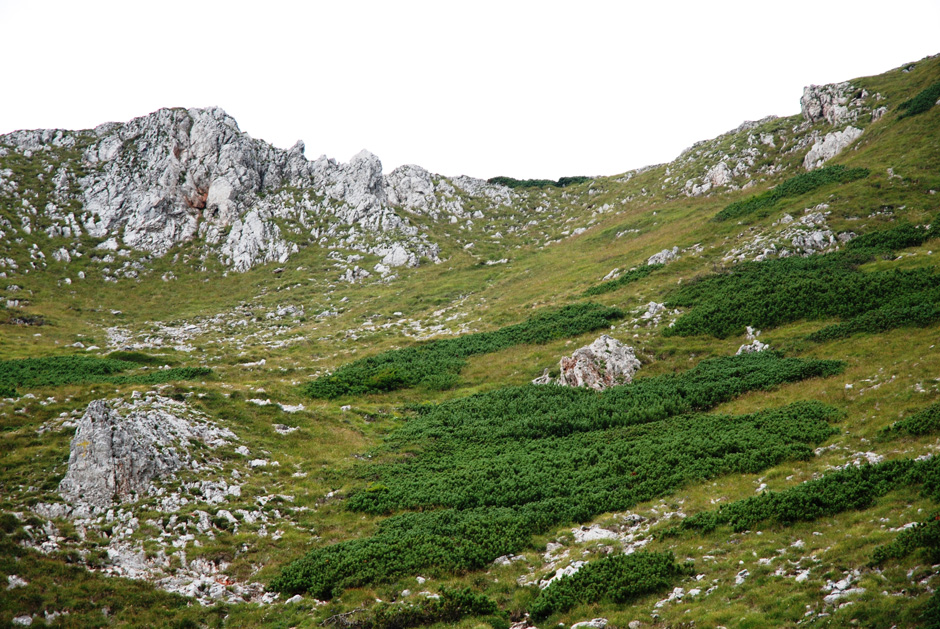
<point x="814" y="241"/>
<point x="830" y="146"/>
<point x="719" y="174"/>
<point x="836" y="103"/>
<point x="178" y="175"/>
<point x="119" y="448"/>
<point x="664" y="256"/>
<point x="755" y="344"/>
<point x="604" y="363"/>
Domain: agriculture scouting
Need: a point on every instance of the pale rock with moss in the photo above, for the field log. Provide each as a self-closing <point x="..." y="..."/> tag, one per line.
<point x="664" y="256"/>
<point x="120" y="447"/>
<point x="831" y="145"/>
<point x="836" y="103"/>
<point x="604" y="363"/>
<point x="179" y="175"/>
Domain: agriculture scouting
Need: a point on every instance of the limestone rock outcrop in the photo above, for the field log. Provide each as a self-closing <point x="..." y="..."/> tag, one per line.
<point x="178" y="175"/>
<point x="719" y="174"/>
<point x="119" y="448"/>
<point x="604" y="363"/>
<point x="831" y="145"/>
<point x="836" y="103"/>
<point x="664" y="256"/>
<point x="755" y="345"/>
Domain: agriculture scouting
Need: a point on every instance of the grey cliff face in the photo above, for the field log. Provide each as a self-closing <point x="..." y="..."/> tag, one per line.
<point x="180" y="175"/>
<point x="115" y="455"/>
<point x="831" y="145"/>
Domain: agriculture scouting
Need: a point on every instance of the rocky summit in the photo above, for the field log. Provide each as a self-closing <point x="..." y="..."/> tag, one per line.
<point x="239" y="387"/>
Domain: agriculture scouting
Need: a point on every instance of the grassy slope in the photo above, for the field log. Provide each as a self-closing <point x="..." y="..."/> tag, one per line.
<point x="494" y="296"/>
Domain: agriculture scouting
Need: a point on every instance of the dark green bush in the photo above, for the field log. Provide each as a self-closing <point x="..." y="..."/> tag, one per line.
<point x="510" y="182"/>
<point x="440" y="381"/>
<point x="627" y="278"/>
<point x="451" y="607"/>
<point x="137" y="357"/>
<point x="618" y="579"/>
<point x="918" y="309"/>
<point x="161" y="376"/>
<point x="923" y="422"/>
<point x="920" y="103"/>
<point x="58" y="370"/>
<point x="792" y="187"/>
<point x="848" y="489"/>
<point x="893" y="239"/>
<point x="923" y="536"/>
<point x="570" y="181"/>
<point x="442" y="360"/>
<point x="487" y="472"/>
<point x="775" y="292"/>
<point x="61" y="370"/>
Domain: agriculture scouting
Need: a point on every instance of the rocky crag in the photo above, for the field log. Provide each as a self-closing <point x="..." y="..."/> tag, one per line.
<point x="182" y="175"/>
<point x="125" y="193"/>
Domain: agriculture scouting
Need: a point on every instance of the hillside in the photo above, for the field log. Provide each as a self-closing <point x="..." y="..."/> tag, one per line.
<point x="239" y="387"/>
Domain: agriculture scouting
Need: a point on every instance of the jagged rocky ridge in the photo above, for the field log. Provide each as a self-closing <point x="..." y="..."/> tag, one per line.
<point x="182" y="174"/>
<point x="191" y="175"/>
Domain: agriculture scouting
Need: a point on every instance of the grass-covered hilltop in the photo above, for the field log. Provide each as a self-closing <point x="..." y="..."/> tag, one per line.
<point x="243" y="388"/>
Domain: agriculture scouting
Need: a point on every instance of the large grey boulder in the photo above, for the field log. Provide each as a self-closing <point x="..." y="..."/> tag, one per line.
<point x="604" y="363"/>
<point x="119" y="448"/>
<point x="664" y="256"/>
<point x="719" y="174"/>
<point x="826" y="102"/>
<point x="830" y="146"/>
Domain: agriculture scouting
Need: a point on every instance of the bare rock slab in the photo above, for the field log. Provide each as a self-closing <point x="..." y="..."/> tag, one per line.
<point x="119" y="448"/>
<point x="604" y="363"/>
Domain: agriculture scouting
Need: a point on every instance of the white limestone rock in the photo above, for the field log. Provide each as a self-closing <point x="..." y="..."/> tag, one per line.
<point x="177" y="175"/>
<point x="750" y="348"/>
<point x="545" y="378"/>
<point x="253" y="241"/>
<point x="664" y="256"/>
<point x="830" y="146"/>
<point x="719" y="174"/>
<point x="836" y="103"/>
<point x="399" y="256"/>
<point x="119" y="448"/>
<point x="410" y="186"/>
<point x="813" y="241"/>
<point x="604" y="363"/>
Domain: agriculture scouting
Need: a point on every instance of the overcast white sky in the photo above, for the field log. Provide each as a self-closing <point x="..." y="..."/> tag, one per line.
<point x="526" y="89"/>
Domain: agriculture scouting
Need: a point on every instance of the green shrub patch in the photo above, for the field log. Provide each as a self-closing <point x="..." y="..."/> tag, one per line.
<point x="775" y="292"/>
<point x="430" y="363"/>
<point x="61" y="370"/>
<point x="618" y="579"/>
<point x="485" y="473"/>
<point x="924" y="422"/>
<point x="452" y="606"/>
<point x="844" y="490"/>
<point x="562" y="182"/>
<point x="792" y="187"/>
<point x="920" y="103"/>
